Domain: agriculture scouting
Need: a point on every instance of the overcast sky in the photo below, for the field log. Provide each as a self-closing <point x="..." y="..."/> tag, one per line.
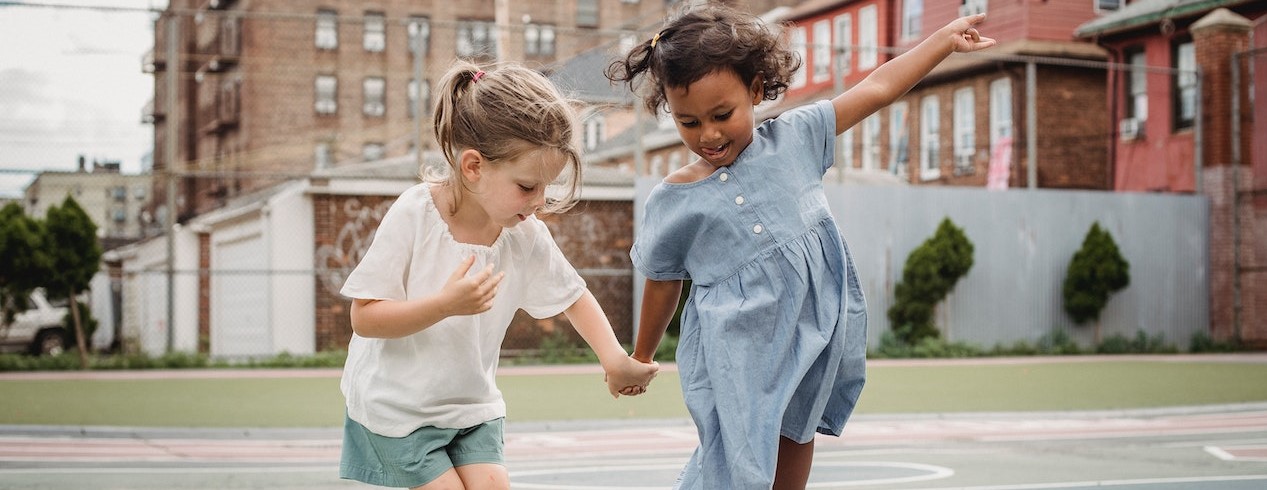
<point x="71" y="84"/>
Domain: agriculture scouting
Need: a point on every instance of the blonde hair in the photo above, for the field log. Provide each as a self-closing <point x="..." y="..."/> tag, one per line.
<point x="503" y="113"/>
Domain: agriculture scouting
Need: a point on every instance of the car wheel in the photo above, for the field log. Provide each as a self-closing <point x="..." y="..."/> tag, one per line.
<point x="50" y="343"/>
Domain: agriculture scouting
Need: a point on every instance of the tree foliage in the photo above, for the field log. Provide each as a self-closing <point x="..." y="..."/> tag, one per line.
<point x="76" y="257"/>
<point x="23" y="259"/>
<point x="1096" y="271"/>
<point x="930" y="273"/>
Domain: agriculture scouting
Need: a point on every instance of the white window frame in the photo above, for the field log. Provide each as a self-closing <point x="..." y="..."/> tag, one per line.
<point x="327" y="30"/>
<point x="374" y="91"/>
<point x="373" y="151"/>
<point x="1001" y="112"/>
<point x="822" y="51"/>
<point x="1185" y="85"/>
<point x="412" y="92"/>
<point x="322" y="156"/>
<point x="327" y="94"/>
<point x="374" y="32"/>
<point x="476" y="38"/>
<point x="595" y="126"/>
<point x="965" y="129"/>
<point x="419" y="29"/>
<point x="539" y="39"/>
<point x="1137" y="81"/>
<point x="899" y="137"/>
<point x="871" y="142"/>
<point x="844" y="42"/>
<point x="868" y="37"/>
<point x="912" y="18"/>
<point x="930" y="138"/>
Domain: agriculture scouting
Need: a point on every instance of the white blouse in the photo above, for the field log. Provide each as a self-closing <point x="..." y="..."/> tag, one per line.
<point x="444" y="375"/>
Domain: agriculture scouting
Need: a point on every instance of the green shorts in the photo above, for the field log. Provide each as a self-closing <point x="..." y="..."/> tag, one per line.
<point x="417" y="458"/>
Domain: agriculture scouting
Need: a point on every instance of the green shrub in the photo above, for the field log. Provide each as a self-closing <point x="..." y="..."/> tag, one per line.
<point x="1202" y="342"/>
<point x="1059" y="343"/>
<point x="931" y="271"/>
<point x="1096" y="271"/>
<point x="1141" y="344"/>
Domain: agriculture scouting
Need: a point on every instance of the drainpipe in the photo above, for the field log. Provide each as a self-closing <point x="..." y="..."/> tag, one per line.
<point x="1198" y="140"/>
<point x="1031" y="123"/>
<point x="1236" y="194"/>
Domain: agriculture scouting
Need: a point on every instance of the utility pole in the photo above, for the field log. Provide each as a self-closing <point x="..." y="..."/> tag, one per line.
<point x="169" y="150"/>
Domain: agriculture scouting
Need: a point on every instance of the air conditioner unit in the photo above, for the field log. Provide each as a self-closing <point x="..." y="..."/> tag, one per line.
<point x="1129" y="129"/>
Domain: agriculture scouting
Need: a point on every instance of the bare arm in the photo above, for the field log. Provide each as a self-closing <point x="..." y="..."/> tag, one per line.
<point x="894" y="78"/>
<point x="622" y="371"/>
<point x="659" y="302"/>
<point x="461" y="295"/>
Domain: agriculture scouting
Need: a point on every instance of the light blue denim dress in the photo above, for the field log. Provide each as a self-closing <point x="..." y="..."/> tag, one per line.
<point x="773" y="339"/>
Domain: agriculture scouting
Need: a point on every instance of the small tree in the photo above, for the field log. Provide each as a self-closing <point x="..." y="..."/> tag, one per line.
<point x="76" y="257"/>
<point x="23" y="260"/>
<point x="1096" y="271"/>
<point x="930" y="273"/>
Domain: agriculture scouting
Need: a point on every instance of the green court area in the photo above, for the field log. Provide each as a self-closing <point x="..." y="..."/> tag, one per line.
<point x="891" y="389"/>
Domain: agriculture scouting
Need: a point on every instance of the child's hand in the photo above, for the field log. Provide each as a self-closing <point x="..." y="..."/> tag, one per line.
<point x="965" y="37"/>
<point x="474" y="294"/>
<point x="630" y="377"/>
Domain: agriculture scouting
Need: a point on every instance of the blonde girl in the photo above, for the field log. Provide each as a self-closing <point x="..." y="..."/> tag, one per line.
<point x="452" y="261"/>
<point x="773" y="339"/>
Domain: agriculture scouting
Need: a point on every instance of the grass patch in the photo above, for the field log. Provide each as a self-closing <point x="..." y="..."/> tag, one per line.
<point x="317" y="402"/>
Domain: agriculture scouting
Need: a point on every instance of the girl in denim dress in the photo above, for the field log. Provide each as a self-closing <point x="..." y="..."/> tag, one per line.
<point x="773" y="340"/>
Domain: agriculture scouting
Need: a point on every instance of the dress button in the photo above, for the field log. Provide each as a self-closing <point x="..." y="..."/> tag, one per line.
<point x="724" y="176"/>
<point x="756" y="229"/>
<point x="739" y="200"/>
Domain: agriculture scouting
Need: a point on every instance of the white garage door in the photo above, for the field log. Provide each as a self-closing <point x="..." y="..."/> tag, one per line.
<point x="239" y="285"/>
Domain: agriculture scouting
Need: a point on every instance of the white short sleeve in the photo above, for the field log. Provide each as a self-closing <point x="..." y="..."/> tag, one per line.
<point x="555" y="285"/>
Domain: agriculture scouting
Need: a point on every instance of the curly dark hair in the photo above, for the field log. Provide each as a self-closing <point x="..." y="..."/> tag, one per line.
<point x="703" y="40"/>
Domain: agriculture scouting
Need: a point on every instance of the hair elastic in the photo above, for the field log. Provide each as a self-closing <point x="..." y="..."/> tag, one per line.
<point x="656" y="39"/>
<point x="477" y="76"/>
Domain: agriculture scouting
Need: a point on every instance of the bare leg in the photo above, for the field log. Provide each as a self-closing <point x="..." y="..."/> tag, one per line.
<point x="795" y="460"/>
<point x="484" y="476"/>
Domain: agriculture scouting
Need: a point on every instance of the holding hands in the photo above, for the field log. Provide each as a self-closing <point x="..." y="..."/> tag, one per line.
<point x="630" y="377"/>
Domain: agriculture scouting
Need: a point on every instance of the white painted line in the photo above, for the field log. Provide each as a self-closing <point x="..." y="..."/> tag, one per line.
<point x="1106" y="483"/>
<point x="161" y="471"/>
<point x="1218" y="452"/>
<point x="931" y="472"/>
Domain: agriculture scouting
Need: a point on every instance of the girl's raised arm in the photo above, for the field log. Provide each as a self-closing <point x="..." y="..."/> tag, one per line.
<point x="895" y="77"/>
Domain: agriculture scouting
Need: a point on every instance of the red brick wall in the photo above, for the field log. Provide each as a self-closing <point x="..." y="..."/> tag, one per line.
<point x="204" y="293"/>
<point x="595" y="236"/>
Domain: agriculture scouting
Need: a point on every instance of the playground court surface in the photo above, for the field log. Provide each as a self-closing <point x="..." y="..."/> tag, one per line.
<point x="1211" y="447"/>
<point x="1200" y="448"/>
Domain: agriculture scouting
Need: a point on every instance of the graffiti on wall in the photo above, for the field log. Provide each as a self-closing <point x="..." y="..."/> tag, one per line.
<point x="335" y="261"/>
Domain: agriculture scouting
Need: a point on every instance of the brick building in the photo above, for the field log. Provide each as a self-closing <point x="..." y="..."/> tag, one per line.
<point x="1179" y="132"/>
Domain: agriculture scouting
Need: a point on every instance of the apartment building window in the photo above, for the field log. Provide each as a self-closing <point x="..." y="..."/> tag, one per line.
<point x="1137" y="87"/>
<point x="587" y="13"/>
<point x="595" y="126"/>
<point x="899" y="138"/>
<point x="965" y="130"/>
<point x="414" y="93"/>
<point x="822" y="51"/>
<point x="844" y="42"/>
<point x="327" y="92"/>
<point x="373" y="151"/>
<point x="675" y="161"/>
<point x="322" y="155"/>
<point x="798" y="46"/>
<point x="929" y="142"/>
<point x="419" y="34"/>
<point x="871" y="142"/>
<point x="539" y="40"/>
<point x="912" y="18"/>
<point x="375" y="90"/>
<point x="119" y="193"/>
<point x="868" y="38"/>
<point x="1000" y="111"/>
<point x="476" y="38"/>
<point x="327" y="29"/>
<point x="375" y="32"/>
<point x="1185" y="85"/>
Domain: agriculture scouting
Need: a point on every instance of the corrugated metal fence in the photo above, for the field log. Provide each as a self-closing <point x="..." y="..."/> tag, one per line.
<point x="1023" y="242"/>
